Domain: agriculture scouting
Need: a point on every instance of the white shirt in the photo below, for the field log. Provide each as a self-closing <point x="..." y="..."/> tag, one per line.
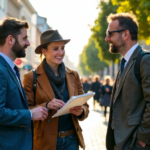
<point x="12" y="65"/>
<point x="129" y="53"/>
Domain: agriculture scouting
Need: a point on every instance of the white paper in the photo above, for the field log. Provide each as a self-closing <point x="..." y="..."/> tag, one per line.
<point x="72" y="102"/>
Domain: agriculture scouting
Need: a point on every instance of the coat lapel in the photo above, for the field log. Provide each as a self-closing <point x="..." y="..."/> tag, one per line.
<point x="127" y="68"/>
<point x="12" y="74"/>
<point x="18" y="85"/>
<point x="44" y="82"/>
<point x="70" y="79"/>
<point x="114" y="88"/>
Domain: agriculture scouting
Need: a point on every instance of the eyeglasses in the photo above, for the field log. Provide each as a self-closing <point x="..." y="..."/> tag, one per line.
<point x="108" y="33"/>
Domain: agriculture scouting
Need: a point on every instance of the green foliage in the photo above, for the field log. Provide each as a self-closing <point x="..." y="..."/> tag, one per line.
<point x="90" y="57"/>
<point x="99" y="32"/>
<point x="82" y="66"/>
<point x="141" y="8"/>
<point x="89" y="60"/>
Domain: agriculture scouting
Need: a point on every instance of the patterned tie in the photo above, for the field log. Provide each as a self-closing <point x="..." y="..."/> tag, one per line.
<point x="18" y="75"/>
<point x="122" y="66"/>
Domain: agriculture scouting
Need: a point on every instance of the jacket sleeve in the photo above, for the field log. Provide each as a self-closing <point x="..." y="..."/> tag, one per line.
<point x="143" y="132"/>
<point x="11" y="117"/>
<point x="80" y="91"/>
<point x="28" y="87"/>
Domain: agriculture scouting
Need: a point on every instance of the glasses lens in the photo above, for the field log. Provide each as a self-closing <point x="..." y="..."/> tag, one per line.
<point x="108" y="33"/>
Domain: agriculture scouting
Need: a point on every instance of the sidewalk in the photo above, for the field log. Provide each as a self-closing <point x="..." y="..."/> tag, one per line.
<point x="94" y="129"/>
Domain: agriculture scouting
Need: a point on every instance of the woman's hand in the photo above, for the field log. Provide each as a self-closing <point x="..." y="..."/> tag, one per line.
<point x="78" y="110"/>
<point x="55" y="104"/>
<point x="107" y="90"/>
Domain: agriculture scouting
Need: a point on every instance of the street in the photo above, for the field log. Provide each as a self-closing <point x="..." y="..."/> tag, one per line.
<point x="94" y="129"/>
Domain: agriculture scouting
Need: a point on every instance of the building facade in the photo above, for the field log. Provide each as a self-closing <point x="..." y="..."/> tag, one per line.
<point x="22" y="9"/>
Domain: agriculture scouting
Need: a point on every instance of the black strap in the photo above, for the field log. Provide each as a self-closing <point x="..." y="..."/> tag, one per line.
<point x="137" y="65"/>
<point x="34" y="83"/>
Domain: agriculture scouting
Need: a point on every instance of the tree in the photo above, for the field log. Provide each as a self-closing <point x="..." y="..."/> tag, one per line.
<point x="82" y="66"/>
<point x="141" y="8"/>
<point x="91" y="59"/>
<point x="99" y="32"/>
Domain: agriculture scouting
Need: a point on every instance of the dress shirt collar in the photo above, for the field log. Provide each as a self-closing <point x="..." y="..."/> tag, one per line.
<point x="8" y="60"/>
<point x="130" y="52"/>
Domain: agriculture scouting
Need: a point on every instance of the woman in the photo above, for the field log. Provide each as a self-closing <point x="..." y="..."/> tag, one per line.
<point x="106" y="92"/>
<point x="55" y="85"/>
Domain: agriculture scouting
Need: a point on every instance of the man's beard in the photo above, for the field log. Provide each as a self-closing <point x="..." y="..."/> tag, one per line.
<point x="19" y="50"/>
<point x="116" y="49"/>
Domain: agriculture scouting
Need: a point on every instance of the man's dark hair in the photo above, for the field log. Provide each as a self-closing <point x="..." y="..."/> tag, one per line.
<point x="126" y="21"/>
<point x="11" y="26"/>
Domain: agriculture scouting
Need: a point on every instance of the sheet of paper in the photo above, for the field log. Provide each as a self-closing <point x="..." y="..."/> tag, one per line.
<point x="72" y="102"/>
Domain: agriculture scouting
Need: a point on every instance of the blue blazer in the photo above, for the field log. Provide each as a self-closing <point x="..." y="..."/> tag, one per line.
<point x="15" y="118"/>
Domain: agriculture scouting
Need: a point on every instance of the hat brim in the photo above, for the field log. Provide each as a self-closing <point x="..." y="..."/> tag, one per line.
<point x="38" y="49"/>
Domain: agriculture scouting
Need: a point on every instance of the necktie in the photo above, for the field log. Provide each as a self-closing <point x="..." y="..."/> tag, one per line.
<point x="122" y="66"/>
<point x="18" y="75"/>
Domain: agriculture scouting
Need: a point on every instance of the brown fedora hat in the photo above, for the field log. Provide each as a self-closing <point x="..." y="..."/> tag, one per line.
<point x="48" y="37"/>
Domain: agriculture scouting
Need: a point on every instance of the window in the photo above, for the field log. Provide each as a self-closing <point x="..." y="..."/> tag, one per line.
<point x="2" y="4"/>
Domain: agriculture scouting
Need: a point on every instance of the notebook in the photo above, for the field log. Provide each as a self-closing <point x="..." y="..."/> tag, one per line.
<point x="78" y="100"/>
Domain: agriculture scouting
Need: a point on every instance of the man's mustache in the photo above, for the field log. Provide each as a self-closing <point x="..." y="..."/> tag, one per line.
<point x="25" y="46"/>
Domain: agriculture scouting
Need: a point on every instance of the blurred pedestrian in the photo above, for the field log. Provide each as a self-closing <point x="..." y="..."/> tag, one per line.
<point x="96" y="87"/>
<point x="86" y="85"/>
<point x="129" y="123"/>
<point x="55" y="85"/>
<point x="15" y="118"/>
<point x="106" y="93"/>
<point x="90" y="81"/>
<point x="82" y="81"/>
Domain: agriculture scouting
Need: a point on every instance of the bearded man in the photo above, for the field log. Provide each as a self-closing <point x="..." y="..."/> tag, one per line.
<point x="15" y="118"/>
<point x="129" y="122"/>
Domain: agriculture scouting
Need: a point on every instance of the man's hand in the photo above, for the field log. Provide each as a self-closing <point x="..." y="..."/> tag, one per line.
<point x="142" y="144"/>
<point x="39" y="113"/>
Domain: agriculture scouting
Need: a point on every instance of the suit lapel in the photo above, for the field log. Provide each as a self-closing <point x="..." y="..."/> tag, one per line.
<point x="13" y="76"/>
<point x="70" y="79"/>
<point x="44" y="82"/>
<point x="114" y="88"/>
<point x="127" y="68"/>
<point x="16" y="81"/>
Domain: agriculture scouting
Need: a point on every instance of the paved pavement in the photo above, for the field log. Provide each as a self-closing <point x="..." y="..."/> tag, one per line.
<point x="94" y="129"/>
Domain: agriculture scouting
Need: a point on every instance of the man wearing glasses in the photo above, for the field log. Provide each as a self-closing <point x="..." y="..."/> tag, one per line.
<point x="129" y="122"/>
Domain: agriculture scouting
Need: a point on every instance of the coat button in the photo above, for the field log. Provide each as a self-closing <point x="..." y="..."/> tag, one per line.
<point x="48" y="120"/>
<point x="77" y="129"/>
